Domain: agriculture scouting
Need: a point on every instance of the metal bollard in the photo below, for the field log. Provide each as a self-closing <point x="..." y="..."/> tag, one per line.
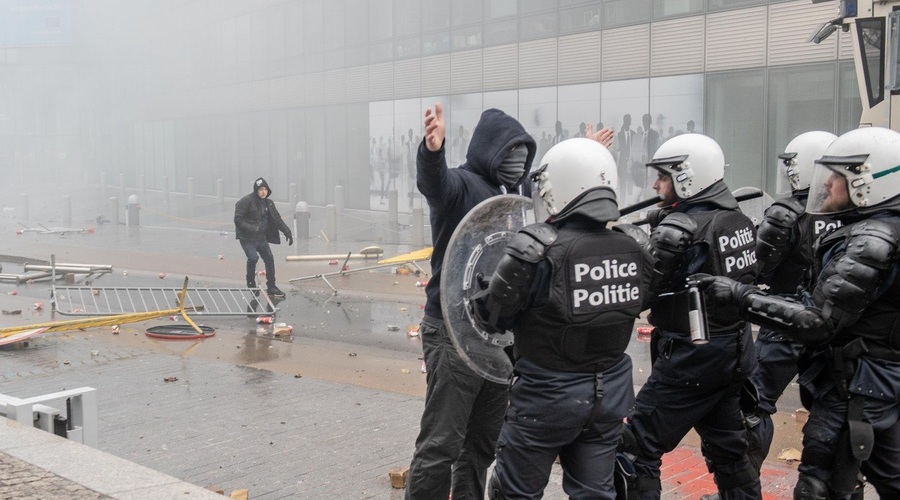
<point x="114" y="210"/>
<point x="392" y="207"/>
<point x="67" y="210"/>
<point x="133" y="212"/>
<point x="418" y="227"/>
<point x="331" y="222"/>
<point x="301" y="220"/>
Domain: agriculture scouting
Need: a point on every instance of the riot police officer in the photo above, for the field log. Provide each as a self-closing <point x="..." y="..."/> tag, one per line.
<point x="784" y="248"/>
<point x="696" y="384"/>
<point x="570" y="289"/>
<point x="848" y="316"/>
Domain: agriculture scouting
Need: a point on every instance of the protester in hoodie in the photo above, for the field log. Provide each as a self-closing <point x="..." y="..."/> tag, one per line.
<point x="256" y="224"/>
<point x="463" y="411"/>
<point x="695" y="383"/>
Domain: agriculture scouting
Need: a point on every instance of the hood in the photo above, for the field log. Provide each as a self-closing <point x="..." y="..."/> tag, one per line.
<point x="495" y="135"/>
<point x="717" y="194"/>
<point x="597" y="204"/>
<point x="260" y="182"/>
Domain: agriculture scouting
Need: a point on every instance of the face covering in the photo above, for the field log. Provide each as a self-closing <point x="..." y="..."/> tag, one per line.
<point x="512" y="168"/>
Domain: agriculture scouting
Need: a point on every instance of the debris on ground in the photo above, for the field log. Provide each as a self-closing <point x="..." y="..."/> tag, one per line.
<point x="790" y="455"/>
<point x="412" y="331"/>
<point x="242" y="494"/>
<point x="282" y="329"/>
<point x="12" y="312"/>
<point x="398" y="477"/>
<point x="393" y="328"/>
<point x="801" y="415"/>
<point x="170" y="379"/>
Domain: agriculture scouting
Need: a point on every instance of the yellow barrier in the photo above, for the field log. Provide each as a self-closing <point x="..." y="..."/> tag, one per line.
<point x="76" y="324"/>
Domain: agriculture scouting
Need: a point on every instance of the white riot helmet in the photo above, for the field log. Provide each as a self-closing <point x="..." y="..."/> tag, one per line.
<point x="694" y="161"/>
<point x="568" y="171"/>
<point x="860" y="169"/>
<point x="796" y="163"/>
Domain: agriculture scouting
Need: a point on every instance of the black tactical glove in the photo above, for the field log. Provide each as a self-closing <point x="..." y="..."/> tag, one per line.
<point x="722" y="289"/>
<point x="290" y="238"/>
<point x="655" y="216"/>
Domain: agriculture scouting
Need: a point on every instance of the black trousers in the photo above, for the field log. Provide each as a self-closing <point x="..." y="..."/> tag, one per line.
<point x="460" y="424"/>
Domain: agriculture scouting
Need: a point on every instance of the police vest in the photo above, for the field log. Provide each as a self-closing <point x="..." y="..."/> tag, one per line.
<point x="879" y="325"/>
<point x="595" y="294"/>
<point x="730" y="239"/>
<point x="790" y="273"/>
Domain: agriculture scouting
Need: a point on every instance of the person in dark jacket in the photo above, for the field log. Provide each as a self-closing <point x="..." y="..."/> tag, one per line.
<point x="570" y="290"/>
<point x="784" y="249"/>
<point x="696" y="382"/>
<point x="463" y="411"/>
<point x="847" y="317"/>
<point x="256" y="224"/>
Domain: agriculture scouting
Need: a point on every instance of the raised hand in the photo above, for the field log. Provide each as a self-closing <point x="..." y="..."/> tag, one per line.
<point x="434" y="128"/>
<point x="603" y="136"/>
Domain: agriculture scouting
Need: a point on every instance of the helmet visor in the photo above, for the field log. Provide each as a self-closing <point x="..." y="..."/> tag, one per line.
<point x="788" y="174"/>
<point x="828" y="190"/>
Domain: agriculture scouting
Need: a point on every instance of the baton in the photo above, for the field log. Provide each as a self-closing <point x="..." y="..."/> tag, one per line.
<point x="639" y="205"/>
<point x="743" y="197"/>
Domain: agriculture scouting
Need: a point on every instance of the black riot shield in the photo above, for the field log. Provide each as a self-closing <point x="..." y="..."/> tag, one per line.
<point x="474" y="250"/>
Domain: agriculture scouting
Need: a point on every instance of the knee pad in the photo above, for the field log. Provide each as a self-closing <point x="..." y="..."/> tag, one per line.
<point x="810" y="488"/>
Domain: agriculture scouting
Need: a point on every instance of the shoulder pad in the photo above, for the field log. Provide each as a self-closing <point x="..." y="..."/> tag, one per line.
<point x="873" y="243"/>
<point x="674" y="233"/>
<point x="637" y="234"/>
<point x="784" y="212"/>
<point x="530" y="243"/>
<point x="773" y="237"/>
<point x="850" y="281"/>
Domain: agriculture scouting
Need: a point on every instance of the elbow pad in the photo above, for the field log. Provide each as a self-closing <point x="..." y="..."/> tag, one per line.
<point x="773" y="237"/>
<point x="507" y="293"/>
<point x="803" y="324"/>
<point x="670" y="241"/>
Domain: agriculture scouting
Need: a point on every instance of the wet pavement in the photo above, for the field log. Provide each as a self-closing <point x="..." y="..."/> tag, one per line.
<point x="324" y="412"/>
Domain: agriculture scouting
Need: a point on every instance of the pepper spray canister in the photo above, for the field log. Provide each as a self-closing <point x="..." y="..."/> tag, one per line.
<point x="697" y="316"/>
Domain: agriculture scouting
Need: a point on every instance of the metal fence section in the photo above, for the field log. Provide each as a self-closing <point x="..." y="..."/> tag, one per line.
<point x="107" y="301"/>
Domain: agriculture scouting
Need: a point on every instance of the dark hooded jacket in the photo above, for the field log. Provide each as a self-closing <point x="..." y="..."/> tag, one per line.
<point x="257" y="219"/>
<point x="451" y="193"/>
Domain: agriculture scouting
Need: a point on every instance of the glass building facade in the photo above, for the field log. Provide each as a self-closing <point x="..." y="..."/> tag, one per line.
<point x="320" y="93"/>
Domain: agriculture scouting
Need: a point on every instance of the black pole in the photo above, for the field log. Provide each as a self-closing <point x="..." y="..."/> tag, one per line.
<point x="743" y="197"/>
<point x="639" y="205"/>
